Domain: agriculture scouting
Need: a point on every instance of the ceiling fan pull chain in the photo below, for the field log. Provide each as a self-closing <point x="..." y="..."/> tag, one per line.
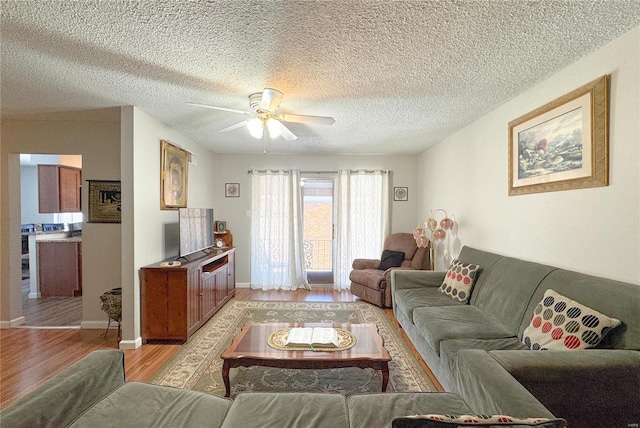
<point x="264" y="139"/>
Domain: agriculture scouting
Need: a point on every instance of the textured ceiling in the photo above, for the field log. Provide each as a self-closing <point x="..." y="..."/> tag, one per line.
<point x="398" y="76"/>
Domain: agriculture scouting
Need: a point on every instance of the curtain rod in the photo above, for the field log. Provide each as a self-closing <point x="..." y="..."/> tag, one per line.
<point x="266" y="170"/>
<point x="367" y="171"/>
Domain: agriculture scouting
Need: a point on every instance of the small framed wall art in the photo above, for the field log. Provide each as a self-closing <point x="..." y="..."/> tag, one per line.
<point x="174" y="168"/>
<point x="232" y="190"/>
<point x="400" y="193"/>
<point x="563" y="145"/>
<point x="105" y="201"/>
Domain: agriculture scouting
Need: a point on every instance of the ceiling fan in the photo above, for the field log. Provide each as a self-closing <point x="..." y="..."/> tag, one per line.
<point x="264" y="114"/>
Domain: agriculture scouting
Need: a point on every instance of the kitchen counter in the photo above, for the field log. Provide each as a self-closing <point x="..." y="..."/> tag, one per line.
<point x="61" y="236"/>
<point x="65" y="239"/>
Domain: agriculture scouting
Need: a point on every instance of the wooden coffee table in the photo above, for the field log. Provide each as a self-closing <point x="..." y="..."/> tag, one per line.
<point x="250" y="348"/>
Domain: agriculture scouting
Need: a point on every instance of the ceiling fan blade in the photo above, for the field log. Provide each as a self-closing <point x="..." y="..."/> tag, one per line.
<point x="220" y="108"/>
<point x="270" y="99"/>
<point x="287" y="134"/>
<point x="300" y="118"/>
<point x="234" y="127"/>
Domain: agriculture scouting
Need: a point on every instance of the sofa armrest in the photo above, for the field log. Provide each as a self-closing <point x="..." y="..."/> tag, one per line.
<point x="387" y="273"/>
<point x="406" y="278"/>
<point x="365" y="264"/>
<point x="591" y="387"/>
<point x="68" y="394"/>
<point x="489" y="389"/>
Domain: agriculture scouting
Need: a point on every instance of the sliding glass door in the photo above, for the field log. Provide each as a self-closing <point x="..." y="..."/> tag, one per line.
<point x="318" y="229"/>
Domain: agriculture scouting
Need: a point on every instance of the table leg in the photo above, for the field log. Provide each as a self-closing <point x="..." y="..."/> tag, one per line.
<point x="385" y="376"/>
<point x="225" y="378"/>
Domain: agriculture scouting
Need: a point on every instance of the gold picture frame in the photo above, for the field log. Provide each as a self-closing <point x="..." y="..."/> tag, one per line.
<point x="105" y="199"/>
<point x="563" y="145"/>
<point x="174" y="168"/>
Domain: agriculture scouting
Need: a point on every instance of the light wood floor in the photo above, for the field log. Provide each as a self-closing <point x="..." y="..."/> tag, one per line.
<point x="50" y="311"/>
<point x="29" y="357"/>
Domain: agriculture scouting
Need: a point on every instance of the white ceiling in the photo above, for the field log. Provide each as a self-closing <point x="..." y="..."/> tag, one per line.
<point x="397" y="76"/>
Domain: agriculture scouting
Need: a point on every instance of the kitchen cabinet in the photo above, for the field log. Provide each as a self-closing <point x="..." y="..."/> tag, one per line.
<point x="59" y="189"/>
<point x="60" y="268"/>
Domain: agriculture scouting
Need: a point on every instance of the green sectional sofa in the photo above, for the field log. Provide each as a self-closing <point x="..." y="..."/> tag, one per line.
<point x="473" y="348"/>
<point x="93" y="393"/>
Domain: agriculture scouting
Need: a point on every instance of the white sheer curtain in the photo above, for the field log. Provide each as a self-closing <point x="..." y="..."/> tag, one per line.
<point x="276" y="230"/>
<point x="362" y="220"/>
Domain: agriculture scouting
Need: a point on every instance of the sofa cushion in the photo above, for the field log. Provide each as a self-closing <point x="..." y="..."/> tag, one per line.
<point x="454" y="421"/>
<point x="560" y="323"/>
<point x="137" y="405"/>
<point x="284" y="409"/>
<point x="449" y="348"/>
<point x="440" y="323"/>
<point x="459" y="280"/>
<point x="589" y="388"/>
<point x="73" y="390"/>
<point x="390" y="259"/>
<point x="365" y="409"/>
<point x="482" y="258"/>
<point x="408" y="299"/>
<point x="507" y="289"/>
<point x="488" y="388"/>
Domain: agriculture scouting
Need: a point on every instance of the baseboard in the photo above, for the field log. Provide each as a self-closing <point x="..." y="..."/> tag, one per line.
<point x="102" y="325"/>
<point x="13" y="323"/>
<point x="131" y="344"/>
<point x="243" y="285"/>
<point x="96" y="325"/>
<point x="34" y="295"/>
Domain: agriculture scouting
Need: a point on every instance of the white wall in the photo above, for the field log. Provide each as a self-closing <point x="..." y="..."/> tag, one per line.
<point x="596" y="231"/>
<point x="147" y="230"/>
<point x="233" y="169"/>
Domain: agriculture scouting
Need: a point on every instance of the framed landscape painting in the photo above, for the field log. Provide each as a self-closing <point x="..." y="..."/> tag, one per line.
<point x="563" y="145"/>
<point x="174" y="167"/>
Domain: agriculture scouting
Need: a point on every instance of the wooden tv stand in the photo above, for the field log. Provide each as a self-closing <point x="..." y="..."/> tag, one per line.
<point x="177" y="301"/>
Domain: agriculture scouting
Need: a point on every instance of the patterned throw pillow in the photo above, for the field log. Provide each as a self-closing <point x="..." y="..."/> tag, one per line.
<point x="559" y="323"/>
<point x="442" y="421"/>
<point x="459" y="280"/>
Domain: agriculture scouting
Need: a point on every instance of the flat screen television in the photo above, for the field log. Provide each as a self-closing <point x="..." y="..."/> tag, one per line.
<point x="196" y="229"/>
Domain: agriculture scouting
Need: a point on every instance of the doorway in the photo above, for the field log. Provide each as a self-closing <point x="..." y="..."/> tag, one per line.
<point x="51" y="228"/>
<point x="318" y="229"/>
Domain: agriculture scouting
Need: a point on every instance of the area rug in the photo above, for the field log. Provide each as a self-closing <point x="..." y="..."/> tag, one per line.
<point x="198" y="366"/>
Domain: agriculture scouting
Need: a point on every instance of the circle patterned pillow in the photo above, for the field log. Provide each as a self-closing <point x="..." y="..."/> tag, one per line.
<point x="559" y="323"/>
<point x="459" y="280"/>
<point x="475" y="420"/>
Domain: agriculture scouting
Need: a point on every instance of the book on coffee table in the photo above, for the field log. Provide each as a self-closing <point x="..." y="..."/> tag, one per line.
<point x="315" y="337"/>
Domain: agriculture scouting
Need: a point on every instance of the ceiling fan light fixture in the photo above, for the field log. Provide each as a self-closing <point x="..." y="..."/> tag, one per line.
<point x="275" y="127"/>
<point x="264" y="108"/>
<point x="255" y="127"/>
